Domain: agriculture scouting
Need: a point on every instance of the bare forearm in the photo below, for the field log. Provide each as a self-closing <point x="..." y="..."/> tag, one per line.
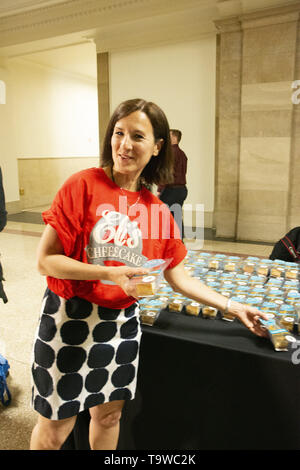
<point x="63" y="267"/>
<point x="196" y="290"/>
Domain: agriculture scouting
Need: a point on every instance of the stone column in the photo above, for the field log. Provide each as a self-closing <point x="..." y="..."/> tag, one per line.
<point x="103" y="94"/>
<point x="269" y="48"/>
<point x="258" y="139"/>
<point x="228" y="109"/>
<point x="294" y="199"/>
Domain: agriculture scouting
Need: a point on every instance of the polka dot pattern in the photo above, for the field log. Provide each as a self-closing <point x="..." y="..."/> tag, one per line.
<point x="104" y="331"/>
<point x="47" y="328"/>
<point x="100" y="355"/>
<point x="69" y="386"/>
<point x="96" y="379"/>
<point x="44" y="354"/>
<point x="43" y="381"/>
<point x="77" y="308"/>
<point x="83" y="355"/>
<point x="52" y="303"/>
<point x="127" y="352"/>
<point x="74" y="332"/>
<point x="70" y="359"/>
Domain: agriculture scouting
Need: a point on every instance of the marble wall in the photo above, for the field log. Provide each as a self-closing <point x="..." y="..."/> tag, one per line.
<point x="264" y="197"/>
<point x="294" y="199"/>
<point x="103" y="94"/>
<point x="228" y="113"/>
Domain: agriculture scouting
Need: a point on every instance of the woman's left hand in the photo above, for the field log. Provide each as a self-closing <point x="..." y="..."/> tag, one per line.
<point x="250" y="317"/>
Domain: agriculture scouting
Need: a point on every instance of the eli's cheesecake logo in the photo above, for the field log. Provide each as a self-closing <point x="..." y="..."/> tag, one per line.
<point x="115" y="238"/>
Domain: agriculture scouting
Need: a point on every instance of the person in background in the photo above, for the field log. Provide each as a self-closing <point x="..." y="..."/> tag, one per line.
<point x="176" y="192"/>
<point x="86" y="348"/>
<point x="3" y="221"/>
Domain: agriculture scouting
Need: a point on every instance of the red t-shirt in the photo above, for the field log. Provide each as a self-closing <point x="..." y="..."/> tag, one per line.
<point x="94" y="224"/>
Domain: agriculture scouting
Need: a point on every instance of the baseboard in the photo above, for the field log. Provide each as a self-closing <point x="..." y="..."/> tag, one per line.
<point x="13" y="207"/>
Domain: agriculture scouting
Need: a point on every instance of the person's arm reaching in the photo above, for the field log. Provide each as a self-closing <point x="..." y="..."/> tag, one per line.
<point x="194" y="289"/>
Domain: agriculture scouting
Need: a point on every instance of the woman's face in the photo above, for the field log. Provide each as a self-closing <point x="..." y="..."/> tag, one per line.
<point x="133" y="143"/>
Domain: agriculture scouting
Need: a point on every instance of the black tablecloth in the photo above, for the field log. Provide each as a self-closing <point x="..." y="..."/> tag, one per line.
<point x="207" y="384"/>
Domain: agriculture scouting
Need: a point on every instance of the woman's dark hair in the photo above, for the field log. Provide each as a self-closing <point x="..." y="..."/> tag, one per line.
<point x="159" y="169"/>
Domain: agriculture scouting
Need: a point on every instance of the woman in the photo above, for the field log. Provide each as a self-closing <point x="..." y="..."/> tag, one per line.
<point x="86" y="349"/>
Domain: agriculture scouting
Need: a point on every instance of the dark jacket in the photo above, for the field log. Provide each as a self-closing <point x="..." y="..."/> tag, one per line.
<point x="180" y="169"/>
<point x="3" y="213"/>
<point x="288" y="247"/>
<point x="3" y="221"/>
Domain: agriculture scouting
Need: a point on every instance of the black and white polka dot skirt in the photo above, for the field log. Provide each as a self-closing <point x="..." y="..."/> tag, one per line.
<point x="83" y="355"/>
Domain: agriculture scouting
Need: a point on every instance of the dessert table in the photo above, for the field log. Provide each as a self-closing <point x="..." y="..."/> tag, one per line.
<point x="208" y="384"/>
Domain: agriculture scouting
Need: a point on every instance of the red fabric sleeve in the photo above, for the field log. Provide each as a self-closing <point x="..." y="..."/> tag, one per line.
<point x="66" y="214"/>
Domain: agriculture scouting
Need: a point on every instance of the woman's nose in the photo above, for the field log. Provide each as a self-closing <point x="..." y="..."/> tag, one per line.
<point x="126" y="142"/>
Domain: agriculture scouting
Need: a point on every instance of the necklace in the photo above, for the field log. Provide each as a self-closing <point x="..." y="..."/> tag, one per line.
<point x="122" y="191"/>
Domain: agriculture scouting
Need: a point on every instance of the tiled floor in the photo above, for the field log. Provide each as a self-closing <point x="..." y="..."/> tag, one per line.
<point x="18" y="318"/>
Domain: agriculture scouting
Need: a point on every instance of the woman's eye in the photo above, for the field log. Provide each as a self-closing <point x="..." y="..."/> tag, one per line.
<point x="138" y="136"/>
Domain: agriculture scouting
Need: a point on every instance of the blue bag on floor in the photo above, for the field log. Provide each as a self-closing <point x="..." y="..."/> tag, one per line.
<point x="4" y="366"/>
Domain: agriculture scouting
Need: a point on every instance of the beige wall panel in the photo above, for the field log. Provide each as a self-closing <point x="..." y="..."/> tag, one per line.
<point x="272" y="39"/>
<point x="294" y="202"/>
<point x="262" y="228"/>
<point x="230" y="89"/>
<point x="264" y="163"/>
<point x="296" y="124"/>
<point x="267" y="96"/>
<point x="227" y="197"/>
<point x="231" y="46"/>
<point x="276" y="67"/>
<point x="40" y="178"/>
<point x="275" y="123"/>
<point x="297" y="70"/>
<point x="263" y="202"/>
<point x="226" y="222"/>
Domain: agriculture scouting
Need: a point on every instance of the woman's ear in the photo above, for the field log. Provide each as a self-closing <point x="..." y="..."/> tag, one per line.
<point x="158" y="146"/>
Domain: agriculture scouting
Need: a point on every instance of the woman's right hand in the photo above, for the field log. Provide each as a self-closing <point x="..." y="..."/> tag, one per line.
<point x="121" y="276"/>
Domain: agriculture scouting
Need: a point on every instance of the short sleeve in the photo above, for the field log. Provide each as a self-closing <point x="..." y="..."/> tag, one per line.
<point x="66" y="214"/>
